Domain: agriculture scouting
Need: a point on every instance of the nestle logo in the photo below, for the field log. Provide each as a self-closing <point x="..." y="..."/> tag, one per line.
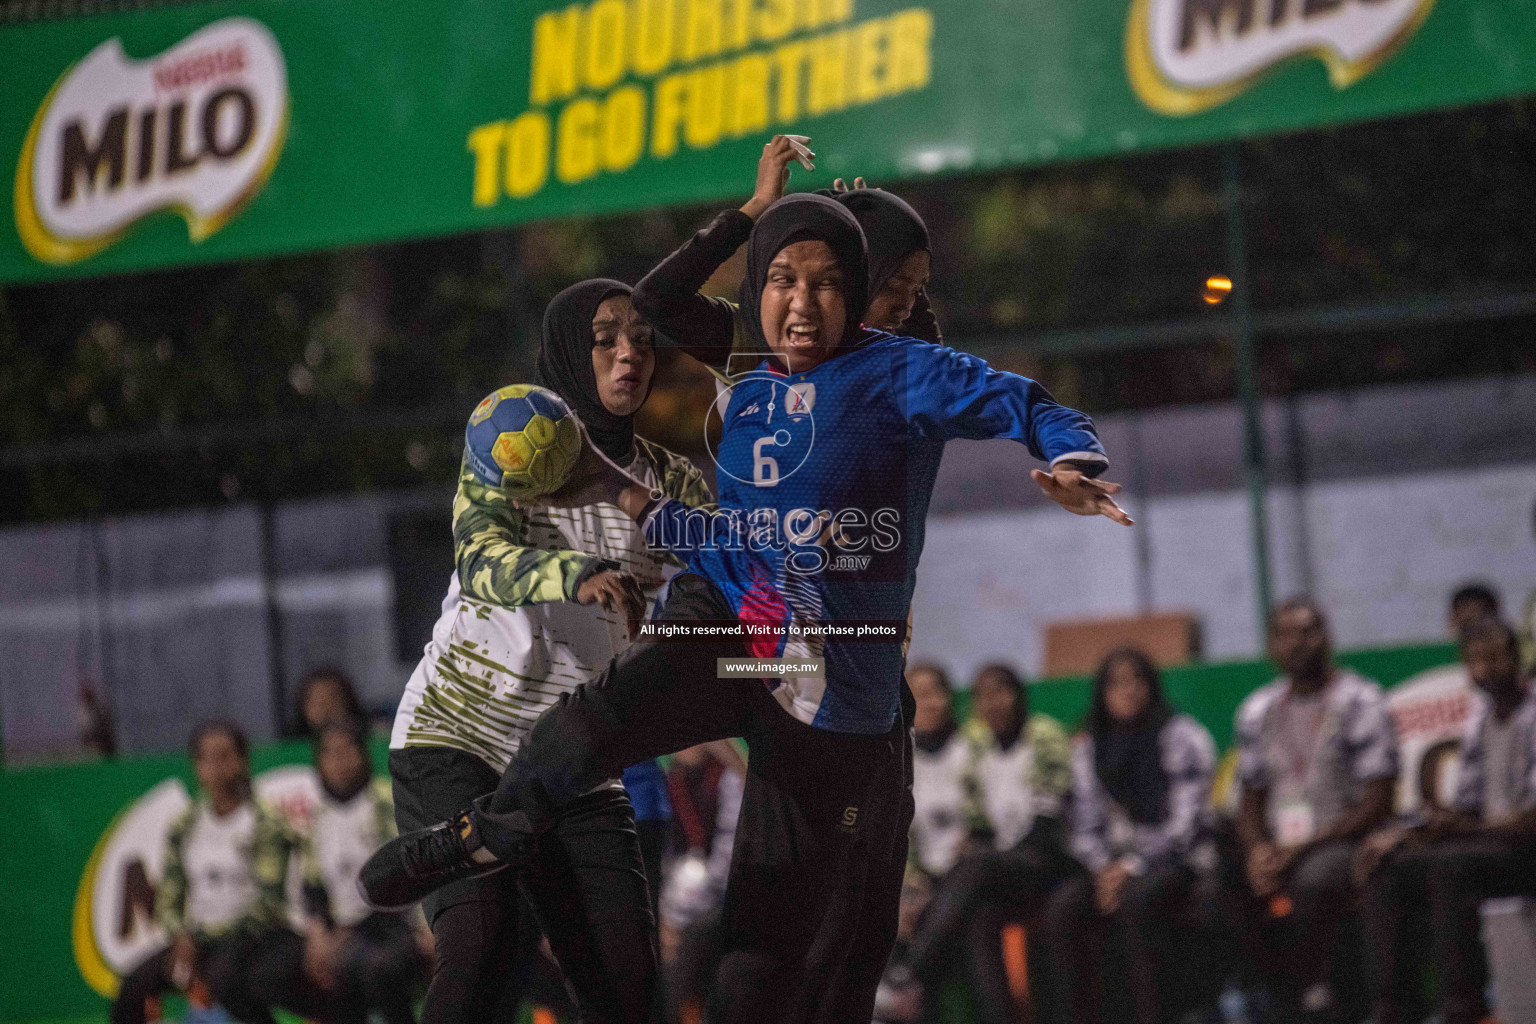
<point x="201" y="67"/>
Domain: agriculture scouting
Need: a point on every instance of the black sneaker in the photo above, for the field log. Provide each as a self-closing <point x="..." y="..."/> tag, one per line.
<point x="413" y="864"/>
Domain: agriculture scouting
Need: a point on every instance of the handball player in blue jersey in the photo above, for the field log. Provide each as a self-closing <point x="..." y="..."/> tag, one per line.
<point x="827" y="459"/>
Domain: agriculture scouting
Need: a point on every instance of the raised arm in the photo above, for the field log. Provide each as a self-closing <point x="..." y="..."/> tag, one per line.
<point x="701" y="326"/>
<point x="668" y="297"/>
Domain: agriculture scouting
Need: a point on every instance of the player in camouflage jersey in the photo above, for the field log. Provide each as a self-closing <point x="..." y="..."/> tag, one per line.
<point x="510" y="557"/>
<point x="542" y="600"/>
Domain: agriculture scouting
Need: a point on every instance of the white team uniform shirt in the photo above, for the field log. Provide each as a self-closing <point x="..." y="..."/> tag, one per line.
<point x="489" y="671"/>
<point x="216" y="857"/>
<point x="1007" y="801"/>
<point x="939" y="823"/>
<point x="342" y="836"/>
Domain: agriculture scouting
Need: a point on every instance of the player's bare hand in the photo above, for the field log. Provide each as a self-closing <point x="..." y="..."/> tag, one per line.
<point x="773" y="171"/>
<point x="1081" y="495"/>
<point x="618" y="592"/>
<point x="839" y="185"/>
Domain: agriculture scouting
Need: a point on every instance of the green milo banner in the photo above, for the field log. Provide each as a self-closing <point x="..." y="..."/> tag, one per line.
<point x="81" y="846"/>
<point x="238" y="128"/>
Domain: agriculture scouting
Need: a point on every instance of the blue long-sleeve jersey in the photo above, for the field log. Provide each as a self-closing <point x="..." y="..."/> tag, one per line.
<point x="824" y="482"/>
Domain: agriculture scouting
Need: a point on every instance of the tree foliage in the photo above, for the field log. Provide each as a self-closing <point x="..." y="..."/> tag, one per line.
<point x="354" y="368"/>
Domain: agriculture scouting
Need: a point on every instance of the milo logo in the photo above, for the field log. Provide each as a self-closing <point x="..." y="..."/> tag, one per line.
<point x="196" y="130"/>
<point x="1185" y="56"/>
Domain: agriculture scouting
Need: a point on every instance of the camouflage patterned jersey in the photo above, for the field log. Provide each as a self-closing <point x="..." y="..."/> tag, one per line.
<point x="511" y="638"/>
<point x="1006" y="790"/>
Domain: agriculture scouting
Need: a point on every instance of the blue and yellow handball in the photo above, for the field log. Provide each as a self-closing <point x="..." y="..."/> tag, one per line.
<point x="523" y="439"/>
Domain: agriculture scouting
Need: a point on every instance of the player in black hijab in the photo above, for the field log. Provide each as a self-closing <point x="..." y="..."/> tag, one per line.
<point x="805" y="217"/>
<point x="565" y="365"/>
<point x="710" y="329"/>
<point x="512" y="640"/>
<point x="899" y="262"/>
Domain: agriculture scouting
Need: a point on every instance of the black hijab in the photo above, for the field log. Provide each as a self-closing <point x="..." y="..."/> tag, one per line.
<point x="565" y="365"/>
<point x="892" y="230"/>
<point x="1128" y="756"/>
<point x="805" y="216"/>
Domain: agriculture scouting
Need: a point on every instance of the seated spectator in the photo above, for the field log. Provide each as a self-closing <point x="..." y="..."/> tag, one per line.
<point x="325" y="695"/>
<point x="941" y="774"/>
<point x="368" y="961"/>
<point x="1141" y="826"/>
<point x="1317" y="766"/>
<point x="941" y="766"/>
<point x="1442" y="867"/>
<point x="220" y="898"/>
<point x="1004" y="836"/>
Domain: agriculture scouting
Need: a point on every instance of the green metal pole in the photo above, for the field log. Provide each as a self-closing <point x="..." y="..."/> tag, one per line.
<point x="1248" y="388"/>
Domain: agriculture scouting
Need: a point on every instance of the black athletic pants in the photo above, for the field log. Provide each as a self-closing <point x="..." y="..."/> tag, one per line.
<point x="586" y="886"/>
<point x="1445" y="882"/>
<point x="815" y="880"/>
<point x="380" y="970"/>
<point x="963" y="924"/>
<point x="246" y="973"/>
<point x="1315" y="941"/>
<point x="1164" y="919"/>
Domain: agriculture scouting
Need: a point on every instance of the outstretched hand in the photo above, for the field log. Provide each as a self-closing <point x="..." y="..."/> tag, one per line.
<point x="1081" y="495"/>
<point x="773" y="171"/>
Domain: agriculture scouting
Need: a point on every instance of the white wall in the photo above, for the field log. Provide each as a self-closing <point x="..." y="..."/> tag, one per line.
<point x="1385" y="553"/>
